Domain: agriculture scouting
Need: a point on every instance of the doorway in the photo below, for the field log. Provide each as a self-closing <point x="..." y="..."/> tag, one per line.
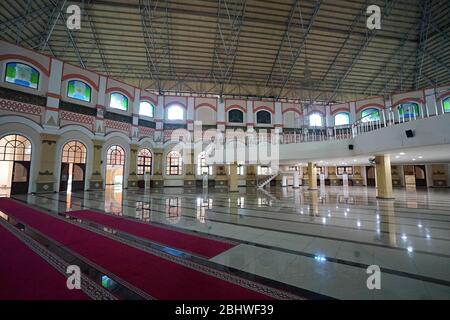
<point x="370" y="174"/>
<point x="73" y="167"/>
<point x="15" y="161"/>
<point x="115" y="161"/>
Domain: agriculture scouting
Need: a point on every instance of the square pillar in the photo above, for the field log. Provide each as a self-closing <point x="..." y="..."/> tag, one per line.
<point x="233" y="179"/>
<point x="312" y="176"/>
<point x="96" y="180"/>
<point x="46" y="180"/>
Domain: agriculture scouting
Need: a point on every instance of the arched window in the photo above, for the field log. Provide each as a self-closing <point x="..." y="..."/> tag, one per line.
<point x="408" y="110"/>
<point x="144" y="161"/>
<point x="146" y="109"/>
<point x="370" y="114"/>
<point x="202" y="166"/>
<point x="15" y="147"/>
<point x="236" y="116"/>
<point x="342" y="119"/>
<point x="115" y="156"/>
<point x="174" y="163"/>
<point x="118" y="101"/>
<point x="79" y="90"/>
<point x="446" y="104"/>
<point x="175" y="112"/>
<point x="264" y="117"/>
<point x="22" y="75"/>
<point x="315" y="120"/>
<point x="74" y="152"/>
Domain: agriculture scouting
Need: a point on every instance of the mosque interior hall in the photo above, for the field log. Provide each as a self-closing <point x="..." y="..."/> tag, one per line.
<point x="224" y="150"/>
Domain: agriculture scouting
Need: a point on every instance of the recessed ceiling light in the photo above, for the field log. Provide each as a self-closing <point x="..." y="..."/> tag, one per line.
<point x="397" y="157"/>
<point x="402" y="153"/>
<point x="413" y="159"/>
<point x="420" y="157"/>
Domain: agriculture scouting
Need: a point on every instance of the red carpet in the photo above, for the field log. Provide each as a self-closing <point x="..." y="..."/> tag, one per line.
<point x="24" y="275"/>
<point x="191" y="243"/>
<point x="160" y="278"/>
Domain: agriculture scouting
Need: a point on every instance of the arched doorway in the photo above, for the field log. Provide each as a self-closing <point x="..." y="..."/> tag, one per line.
<point x="15" y="161"/>
<point x="73" y="167"/>
<point x="115" y="161"/>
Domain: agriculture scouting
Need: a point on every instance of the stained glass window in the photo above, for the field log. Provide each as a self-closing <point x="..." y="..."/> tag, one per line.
<point x="370" y="114"/>
<point x="446" y="104"/>
<point x="144" y="161"/>
<point x="263" y="117"/>
<point x="22" y="75"/>
<point x="146" y="109"/>
<point x="79" y="90"/>
<point x="408" y="110"/>
<point x="118" y="101"/>
<point x="342" y="119"/>
<point x="236" y="116"/>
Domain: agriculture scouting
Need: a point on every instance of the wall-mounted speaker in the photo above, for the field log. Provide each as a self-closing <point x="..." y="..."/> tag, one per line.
<point x="350" y="147"/>
<point x="409" y="133"/>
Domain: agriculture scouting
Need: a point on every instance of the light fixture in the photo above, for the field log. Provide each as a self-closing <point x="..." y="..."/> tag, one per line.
<point x="402" y="153"/>
<point x="414" y="159"/>
<point x="410" y="249"/>
<point x="420" y="157"/>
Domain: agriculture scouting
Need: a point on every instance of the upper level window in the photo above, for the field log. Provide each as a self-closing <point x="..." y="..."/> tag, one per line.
<point x="264" y="170"/>
<point x="342" y="170"/>
<point x="146" y="109"/>
<point x="236" y="116"/>
<point x="370" y="114"/>
<point x="341" y="119"/>
<point x="408" y="110"/>
<point x="202" y="166"/>
<point x="315" y="120"/>
<point x="175" y="112"/>
<point x="174" y="163"/>
<point x="118" y="101"/>
<point x="78" y="90"/>
<point x="22" y="75"/>
<point x="446" y="104"/>
<point x="263" y="117"/>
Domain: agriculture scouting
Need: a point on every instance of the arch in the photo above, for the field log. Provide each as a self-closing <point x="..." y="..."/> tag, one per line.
<point x="205" y="105"/>
<point x="174" y="164"/>
<point x="235" y="116"/>
<point x="263" y="117"/>
<point x="115" y="155"/>
<point x="146" y="108"/>
<point x="144" y="161"/>
<point x="22" y="120"/>
<point x="118" y="101"/>
<point x="120" y="90"/>
<point x="74" y="127"/>
<point x="79" y="90"/>
<point x="405" y="100"/>
<point x="74" y="151"/>
<point x="370" y="105"/>
<point x="26" y="59"/>
<point x="77" y="76"/>
<point x="22" y="74"/>
<point x="15" y="147"/>
<point x="236" y="106"/>
<point x="296" y="110"/>
<point x="342" y="119"/>
<point x="263" y="108"/>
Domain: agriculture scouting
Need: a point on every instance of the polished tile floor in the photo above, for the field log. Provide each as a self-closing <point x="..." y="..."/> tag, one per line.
<point x="319" y="241"/>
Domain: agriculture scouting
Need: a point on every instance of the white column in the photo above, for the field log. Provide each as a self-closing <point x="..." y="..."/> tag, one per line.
<point x="429" y="174"/>
<point x="221" y="116"/>
<point x="135" y="127"/>
<point x="190" y="115"/>
<point x="284" y="181"/>
<point x="159" y="117"/>
<point x="53" y="95"/>
<point x="250" y="116"/>
<point x="296" y="183"/>
<point x="278" y="114"/>
<point x="328" y="118"/>
<point x="101" y="104"/>
<point x="430" y="108"/>
<point x="352" y="106"/>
